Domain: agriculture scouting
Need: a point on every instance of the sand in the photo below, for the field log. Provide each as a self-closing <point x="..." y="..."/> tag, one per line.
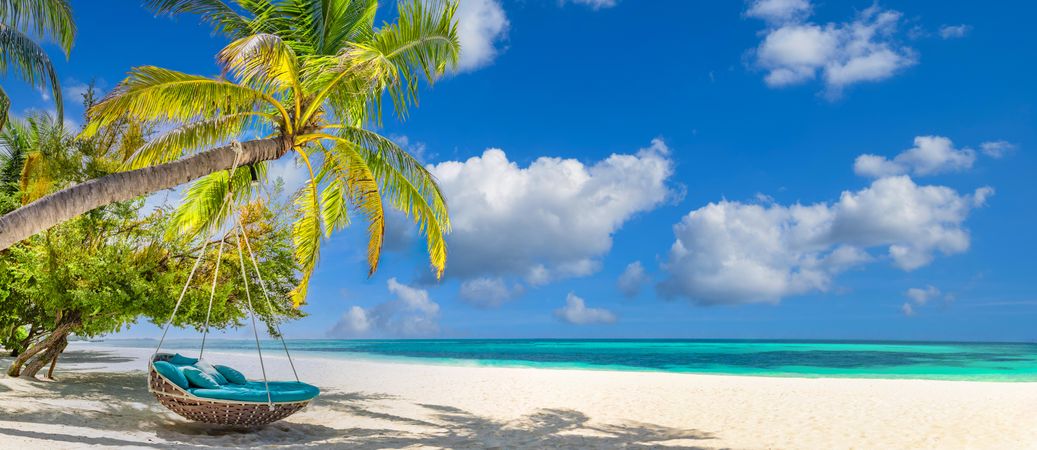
<point x="101" y="401"/>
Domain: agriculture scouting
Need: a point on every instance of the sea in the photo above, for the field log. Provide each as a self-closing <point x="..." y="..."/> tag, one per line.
<point x="1011" y="362"/>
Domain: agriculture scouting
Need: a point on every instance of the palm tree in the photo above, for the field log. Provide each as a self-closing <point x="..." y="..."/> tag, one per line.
<point x="22" y="21"/>
<point x="33" y="151"/>
<point x="308" y="76"/>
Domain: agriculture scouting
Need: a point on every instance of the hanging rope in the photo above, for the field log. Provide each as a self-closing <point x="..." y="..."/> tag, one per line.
<point x="212" y="295"/>
<point x="255" y="329"/>
<point x="266" y="296"/>
<point x="238" y="150"/>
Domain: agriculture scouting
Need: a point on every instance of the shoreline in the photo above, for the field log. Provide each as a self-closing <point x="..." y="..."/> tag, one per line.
<point x="101" y="400"/>
<point x="524" y="364"/>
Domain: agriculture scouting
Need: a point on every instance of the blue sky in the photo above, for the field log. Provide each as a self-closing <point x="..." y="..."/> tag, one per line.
<point x="770" y="169"/>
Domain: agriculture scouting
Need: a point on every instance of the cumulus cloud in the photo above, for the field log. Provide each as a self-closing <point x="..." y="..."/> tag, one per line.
<point x="930" y="155"/>
<point x="411" y="313"/>
<point x="735" y="253"/>
<point x="954" y="31"/>
<point x="779" y="11"/>
<point x="632" y="279"/>
<point x="795" y="50"/>
<point x="576" y="312"/>
<point x="550" y="220"/>
<point x="919" y="297"/>
<point x="997" y="149"/>
<point x="481" y="26"/>
<point x="922" y="295"/>
<point x="488" y="292"/>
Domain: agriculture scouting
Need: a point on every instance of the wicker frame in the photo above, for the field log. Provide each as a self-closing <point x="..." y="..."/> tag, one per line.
<point x="216" y="411"/>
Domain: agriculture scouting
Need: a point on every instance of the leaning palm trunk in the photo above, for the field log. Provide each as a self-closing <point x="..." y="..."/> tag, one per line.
<point x="70" y="202"/>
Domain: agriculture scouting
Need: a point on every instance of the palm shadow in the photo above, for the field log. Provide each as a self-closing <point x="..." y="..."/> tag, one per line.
<point x="119" y="403"/>
<point x="451" y="427"/>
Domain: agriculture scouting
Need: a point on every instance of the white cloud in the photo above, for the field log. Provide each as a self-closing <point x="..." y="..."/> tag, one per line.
<point x="596" y="4"/>
<point x="732" y="252"/>
<point x="481" y="26"/>
<point x="954" y="31"/>
<point x="412" y="313"/>
<point x="779" y="11"/>
<point x="632" y="279"/>
<point x="997" y="149"/>
<point x="907" y="309"/>
<point x="552" y="219"/>
<point x="919" y="297"/>
<point x="794" y="50"/>
<point x="930" y="155"/>
<point x="353" y="323"/>
<point x="922" y="295"/>
<point x="576" y="312"/>
<point x="488" y="292"/>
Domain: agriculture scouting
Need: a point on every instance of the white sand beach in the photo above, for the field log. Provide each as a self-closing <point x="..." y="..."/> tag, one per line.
<point x="101" y="401"/>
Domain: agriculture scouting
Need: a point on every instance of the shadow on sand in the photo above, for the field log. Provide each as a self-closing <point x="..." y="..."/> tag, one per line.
<point x="115" y="409"/>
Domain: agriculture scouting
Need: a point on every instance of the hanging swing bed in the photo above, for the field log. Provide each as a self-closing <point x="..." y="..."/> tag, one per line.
<point x="200" y="391"/>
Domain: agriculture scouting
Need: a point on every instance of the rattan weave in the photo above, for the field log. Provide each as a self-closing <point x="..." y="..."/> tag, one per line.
<point x="223" y="412"/>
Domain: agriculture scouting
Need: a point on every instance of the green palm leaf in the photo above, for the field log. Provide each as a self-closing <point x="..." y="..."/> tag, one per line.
<point x="157" y="95"/>
<point x="26" y="57"/>
<point x="195" y="136"/>
<point x="306" y="235"/>
<point x="205" y="203"/>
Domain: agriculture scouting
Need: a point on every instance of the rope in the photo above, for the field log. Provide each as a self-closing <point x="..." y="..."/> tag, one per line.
<point x="212" y="295"/>
<point x="181" y="299"/>
<point x="255" y="329"/>
<point x="238" y="150"/>
<point x="266" y="296"/>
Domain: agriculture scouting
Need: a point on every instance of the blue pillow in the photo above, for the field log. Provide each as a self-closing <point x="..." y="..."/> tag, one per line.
<point x="204" y="366"/>
<point x="231" y="375"/>
<point x="172" y="373"/>
<point x="199" y="378"/>
<point x="181" y="360"/>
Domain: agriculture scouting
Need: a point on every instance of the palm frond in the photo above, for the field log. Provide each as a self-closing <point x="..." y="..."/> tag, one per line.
<point x="423" y="41"/>
<point x="224" y="18"/>
<point x="154" y="94"/>
<point x="205" y="204"/>
<point x="5" y="107"/>
<point x="43" y="19"/>
<point x="263" y="61"/>
<point x="406" y="184"/>
<point x="195" y="136"/>
<point x="325" y="26"/>
<point x="26" y="57"/>
<point x="334" y="208"/>
<point x="306" y="235"/>
<point x="361" y="190"/>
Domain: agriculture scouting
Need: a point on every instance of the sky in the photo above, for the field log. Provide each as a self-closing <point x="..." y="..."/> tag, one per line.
<point x="771" y="169"/>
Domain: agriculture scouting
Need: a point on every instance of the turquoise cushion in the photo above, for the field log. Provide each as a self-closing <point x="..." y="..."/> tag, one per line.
<point x="172" y="373"/>
<point x="231" y="375"/>
<point x="199" y="378"/>
<point x="204" y="366"/>
<point x="181" y="360"/>
<point x="255" y="391"/>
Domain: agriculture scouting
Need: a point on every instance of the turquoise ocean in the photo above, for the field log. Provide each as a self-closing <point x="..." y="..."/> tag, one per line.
<point x="921" y="360"/>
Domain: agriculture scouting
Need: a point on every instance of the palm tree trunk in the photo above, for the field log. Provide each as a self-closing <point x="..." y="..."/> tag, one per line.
<point x="75" y="200"/>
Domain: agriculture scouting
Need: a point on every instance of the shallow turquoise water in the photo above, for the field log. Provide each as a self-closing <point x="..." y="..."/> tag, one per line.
<point x="953" y="361"/>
